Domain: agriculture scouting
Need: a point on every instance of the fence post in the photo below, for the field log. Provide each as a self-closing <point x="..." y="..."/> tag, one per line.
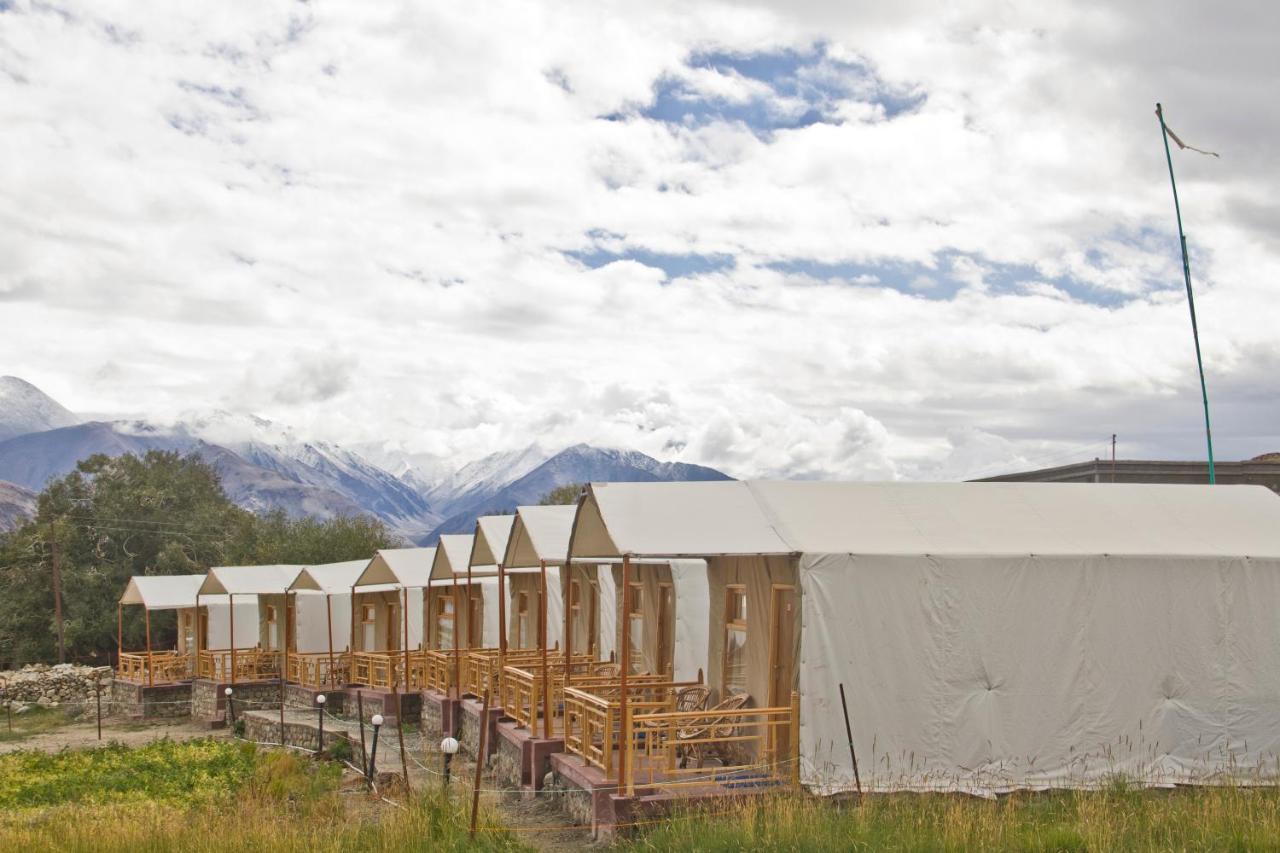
<point x="795" y="739"/>
<point x="97" y="695"/>
<point x="373" y="752"/>
<point x="480" y="755"/>
<point x="404" y="762"/>
<point x="624" y="759"/>
<point x="364" y="756"/>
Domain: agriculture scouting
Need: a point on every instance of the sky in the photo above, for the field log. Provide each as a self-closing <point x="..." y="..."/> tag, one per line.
<point x="786" y="239"/>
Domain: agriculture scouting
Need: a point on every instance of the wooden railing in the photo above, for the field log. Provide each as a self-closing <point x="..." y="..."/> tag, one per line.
<point x="482" y="670"/>
<point x="319" y="669"/>
<point x="165" y="667"/>
<point x="250" y="665"/>
<point x="593" y="714"/>
<point x="521" y="687"/>
<point x="753" y="748"/>
<point x="438" y="666"/>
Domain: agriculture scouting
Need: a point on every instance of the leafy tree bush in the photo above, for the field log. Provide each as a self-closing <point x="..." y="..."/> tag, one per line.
<point x="566" y="494"/>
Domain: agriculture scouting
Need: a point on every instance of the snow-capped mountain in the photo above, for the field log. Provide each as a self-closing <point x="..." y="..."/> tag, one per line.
<point x="578" y="464"/>
<point x="16" y="505"/>
<point x="266" y="466"/>
<point x="24" y="408"/>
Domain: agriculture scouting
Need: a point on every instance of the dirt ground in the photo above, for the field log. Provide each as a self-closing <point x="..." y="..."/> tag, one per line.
<point x="81" y="735"/>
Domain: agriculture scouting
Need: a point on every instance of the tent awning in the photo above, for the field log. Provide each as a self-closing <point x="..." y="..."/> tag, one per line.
<point x="490" y="542"/>
<point x="405" y="567"/>
<point x="539" y="533"/>
<point x="249" y="580"/>
<point x="329" y="578"/>
<point x="453" y="554"/>
<point x="162" y="592"/>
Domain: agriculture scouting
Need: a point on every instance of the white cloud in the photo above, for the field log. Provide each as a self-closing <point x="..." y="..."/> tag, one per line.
<point x="352" y="218"/>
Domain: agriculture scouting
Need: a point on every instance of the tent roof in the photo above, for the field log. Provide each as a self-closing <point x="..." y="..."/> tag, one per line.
<point x="162" y="592"/>
<point x="1063" y="519"/>
<point x="453" y="553"/>
<point x="249" y="580"/>
<point x="405" y="567"/>
<point x="330" y="578"/>
<point x="490" y="543"/>
<point x="766" y="517"/>
<point x="539" y="533"/>
<point x="673" y="519"/>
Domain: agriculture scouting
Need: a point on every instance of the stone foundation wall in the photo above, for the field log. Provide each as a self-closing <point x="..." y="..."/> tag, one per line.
<point x="431" y="720"/>
<point x="572" y="800"/>
<point x="148" y="703"/>
<point x="262" y="727"/>
<point x="506" y="764"/>
<point x="377" y="702"/>
<point x="299" y="697"/>
<point x="208" y="698"/>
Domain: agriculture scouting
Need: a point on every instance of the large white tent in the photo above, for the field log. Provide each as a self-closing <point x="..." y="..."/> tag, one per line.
<point x="994" y="636"/>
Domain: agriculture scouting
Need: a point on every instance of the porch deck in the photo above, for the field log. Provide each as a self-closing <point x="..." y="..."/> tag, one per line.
<point x="167" y="667"/>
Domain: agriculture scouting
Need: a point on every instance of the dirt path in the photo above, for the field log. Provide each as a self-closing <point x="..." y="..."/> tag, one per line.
<point x="80" y="735"/>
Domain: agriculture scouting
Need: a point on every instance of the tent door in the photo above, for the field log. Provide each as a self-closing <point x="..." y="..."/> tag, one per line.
<point x="782" y="627"/>
<point x="391" y="628"/>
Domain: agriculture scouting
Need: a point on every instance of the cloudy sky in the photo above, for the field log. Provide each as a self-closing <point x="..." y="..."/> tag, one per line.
<point x="839" y="239"/>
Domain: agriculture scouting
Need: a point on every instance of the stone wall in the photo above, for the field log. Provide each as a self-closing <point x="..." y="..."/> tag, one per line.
<point x="208" y="698"/>
<point x="379" y="702"/>
<point x="148" y="703"/>
<point x="54" y="686"/>
<point x="507" y="764"/>
<point x="264" y="727"/>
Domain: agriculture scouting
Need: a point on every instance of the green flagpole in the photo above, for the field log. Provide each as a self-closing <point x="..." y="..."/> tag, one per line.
<point x="1191" y="301"/>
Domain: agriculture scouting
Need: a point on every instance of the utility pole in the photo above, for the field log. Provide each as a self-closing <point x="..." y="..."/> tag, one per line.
<point x="1113" y="457"/>
<point x="56" y="560"/>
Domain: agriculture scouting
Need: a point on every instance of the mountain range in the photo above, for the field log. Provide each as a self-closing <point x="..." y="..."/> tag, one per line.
<point x="265" y="466"/>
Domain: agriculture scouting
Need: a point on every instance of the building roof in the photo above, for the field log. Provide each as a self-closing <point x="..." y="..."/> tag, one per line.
<point x="408" y="568"/>
<point x="769" y="517"/>
<point x="453" y="554"/>
<point x="162" y="592"/>
<point x="490" y="543"/>
<point x="249" y="580"/>
<point x="330" y="578"/>
<point x="539" y="533"/>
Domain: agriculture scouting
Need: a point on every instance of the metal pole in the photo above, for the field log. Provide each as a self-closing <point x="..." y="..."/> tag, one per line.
<point x="320" y="708"/>
<point x="1191" y="302"/>
<point x="848" y="730"/>
<point x="373" y="751"/>
<point x="484" y="745"/>
<point x="151" y="675"/>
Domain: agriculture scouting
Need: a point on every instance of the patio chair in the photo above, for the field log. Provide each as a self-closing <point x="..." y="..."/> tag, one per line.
<point x="692" y="698"/>
<point x="691" y="740"/>
<point x="608" y="670"/>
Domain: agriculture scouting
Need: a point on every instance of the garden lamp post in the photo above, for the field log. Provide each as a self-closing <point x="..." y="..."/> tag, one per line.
<point x="373" y="750"/>
<point x="320" y="708"/>
<point x="449" y="748"/>
<point x="231" y="708"/>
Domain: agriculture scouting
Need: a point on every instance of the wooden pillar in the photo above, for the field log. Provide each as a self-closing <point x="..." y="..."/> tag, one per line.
<point x="119" y="631"/>
<point x="624" y="744"/>
<point x="404" y="642"/>
<point x="542" y="644"/>
<point x="352" y="648"/>
<point x="231" y="614"/>
<point x="151" y="673"/>
<point x="566" y="591"/>
<point x="502" y="623"/>
<point x="328" y="613"/>
<point x="457" y="654"/>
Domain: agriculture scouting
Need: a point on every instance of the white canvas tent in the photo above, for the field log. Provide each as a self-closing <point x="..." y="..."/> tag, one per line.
<point x="323" y="605"/>
<point x="994" y="636"/>
<point x="156" y="593"/>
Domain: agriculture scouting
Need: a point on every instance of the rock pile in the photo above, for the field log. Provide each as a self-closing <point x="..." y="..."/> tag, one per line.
<point x="52" y="686"/>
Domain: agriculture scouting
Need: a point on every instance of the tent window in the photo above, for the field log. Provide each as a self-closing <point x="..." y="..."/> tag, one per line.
<point x="636" y="617"/>
<point x="523" y="622"/>
<point x="368" y="627"/>
<point x="475" y="619"/>
<point x="734" y="678"/>
<point x="584" y="626"/>
<point x="444" y="621"/>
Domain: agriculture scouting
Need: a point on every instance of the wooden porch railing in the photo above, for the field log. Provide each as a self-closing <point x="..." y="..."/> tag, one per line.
<point x="521" y="687"/>
<point x="319" y="669"/>
<point x="166" y="667"/>
<point x="752" y="748"/>
<point x="250" y="665"/>
<point x="482" y="671"/>
<point x="438" y="669"/>
<point x="593" y="714"/>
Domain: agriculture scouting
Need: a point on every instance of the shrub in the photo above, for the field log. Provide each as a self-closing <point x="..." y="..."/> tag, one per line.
<point x="339" y="750"/>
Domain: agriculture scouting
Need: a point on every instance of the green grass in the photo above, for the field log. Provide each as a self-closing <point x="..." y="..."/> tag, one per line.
<point x="35" y="720"/>
<point x="1120" y="818"/>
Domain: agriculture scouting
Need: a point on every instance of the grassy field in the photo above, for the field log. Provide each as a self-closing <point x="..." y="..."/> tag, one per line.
<point x="220" y="795"/>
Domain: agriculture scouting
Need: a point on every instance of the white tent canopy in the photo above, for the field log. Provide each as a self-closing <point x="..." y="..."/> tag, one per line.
<point x="249" y="580"/>
<point x="995" y="636"/>
<point x="539" y="533"/>
<point x="403" y="567"/>
<point x="330" y="578"/>
<point x="452" y="556"/>
<point x="162" y="592"/>
<point x="490" y="542"/>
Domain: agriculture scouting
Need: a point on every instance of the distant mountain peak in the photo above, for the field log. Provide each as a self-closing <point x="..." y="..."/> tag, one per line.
<point x="24" y="409"/>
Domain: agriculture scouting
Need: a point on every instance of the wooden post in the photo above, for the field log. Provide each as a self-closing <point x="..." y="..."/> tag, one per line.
<point x="624" y="745"/>
<point x="502" y="625"/>
<point x="795" y="740"/>
<point x="566" y="594"/>
<point x="328" y="613"/>
<point x="364" y="757"/>
<point x="151" y="679"/>
<point x="848" y="730"/>
<point x="97" y="695"/>
<point x="195" y="672"/>
<point x="352" y="647"/>
<point x="457" y="654"/>
<point x="282" y="709"/>
<point x="231" y="611"/>
<point x="404" y="642"/>
<point x="543" y="642"/>
<point x="484" y="746"/>
<point x="404" y="761"/>
<point x="119" y="631"/>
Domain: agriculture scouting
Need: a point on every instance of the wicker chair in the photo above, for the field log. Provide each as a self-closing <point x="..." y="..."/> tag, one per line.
<point x="714" y="725"/>
<point x="607" y="670"/>
<point x="692" y="698"/>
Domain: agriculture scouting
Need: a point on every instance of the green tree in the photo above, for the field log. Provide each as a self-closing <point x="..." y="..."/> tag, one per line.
<point x="566" y="494"/>
<point x="159" y="514"/>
